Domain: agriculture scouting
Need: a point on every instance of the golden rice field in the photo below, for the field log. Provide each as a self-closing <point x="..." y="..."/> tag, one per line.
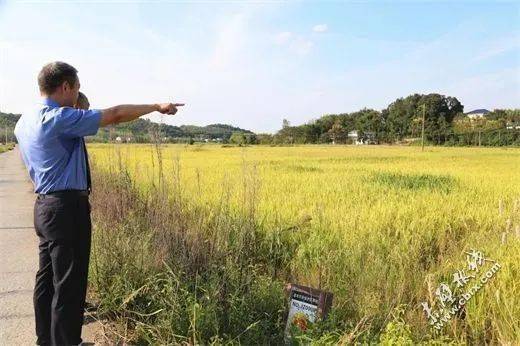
<point x="384" y="225"/>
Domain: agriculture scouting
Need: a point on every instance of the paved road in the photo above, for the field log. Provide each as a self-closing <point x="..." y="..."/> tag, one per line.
<point x="18" y="254"/>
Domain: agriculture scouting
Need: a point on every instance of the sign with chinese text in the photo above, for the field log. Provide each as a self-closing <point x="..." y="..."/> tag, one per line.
<point x="306" y="306"/>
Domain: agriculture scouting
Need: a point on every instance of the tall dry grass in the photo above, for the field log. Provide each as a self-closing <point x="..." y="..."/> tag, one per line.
<point x="182" y="258"/>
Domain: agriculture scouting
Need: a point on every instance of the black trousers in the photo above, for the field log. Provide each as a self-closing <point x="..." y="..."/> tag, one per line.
<point x="62" y="223"/>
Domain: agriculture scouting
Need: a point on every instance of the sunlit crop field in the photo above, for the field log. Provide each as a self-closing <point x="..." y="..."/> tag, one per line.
<point x="385" y="224"/>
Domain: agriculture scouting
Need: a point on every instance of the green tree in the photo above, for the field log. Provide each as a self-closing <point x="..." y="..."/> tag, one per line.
<point x="264" y="138"/>
<point x="402" y="115"/>
<point x="337" y="133"/>
<point x="238" y="138"/>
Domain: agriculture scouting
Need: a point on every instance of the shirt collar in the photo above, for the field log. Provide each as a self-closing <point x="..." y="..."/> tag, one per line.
<point x="49" y="102"/>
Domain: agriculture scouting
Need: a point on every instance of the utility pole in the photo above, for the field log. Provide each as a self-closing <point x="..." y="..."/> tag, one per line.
<point x="422" y="130"/>
<point x="6" y="135"/>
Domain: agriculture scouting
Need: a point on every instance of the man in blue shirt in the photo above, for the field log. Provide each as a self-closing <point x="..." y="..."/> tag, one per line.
<point x="50" y="137"/>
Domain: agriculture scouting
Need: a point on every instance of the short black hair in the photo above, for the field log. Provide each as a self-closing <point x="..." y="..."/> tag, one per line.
<point x="82" y="102"/>
<point x="54" y="74"/>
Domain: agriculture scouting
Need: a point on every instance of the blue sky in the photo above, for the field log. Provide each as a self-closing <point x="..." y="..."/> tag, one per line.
<point x="253" y="64"/>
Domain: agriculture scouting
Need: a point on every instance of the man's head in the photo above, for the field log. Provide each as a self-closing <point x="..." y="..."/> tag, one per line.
<point x="82" y="102"/>
<point x="59" y="81"/>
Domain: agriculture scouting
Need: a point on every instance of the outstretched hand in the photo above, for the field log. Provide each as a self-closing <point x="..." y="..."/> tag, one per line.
<point x="169" y="108"/>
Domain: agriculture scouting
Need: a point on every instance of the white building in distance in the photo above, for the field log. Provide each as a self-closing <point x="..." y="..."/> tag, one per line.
<point x="368" y="138"/>
<point x="477" y="113"/>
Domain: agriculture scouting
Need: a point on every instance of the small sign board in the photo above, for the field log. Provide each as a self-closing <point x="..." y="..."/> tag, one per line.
<point x="306" y="306"/>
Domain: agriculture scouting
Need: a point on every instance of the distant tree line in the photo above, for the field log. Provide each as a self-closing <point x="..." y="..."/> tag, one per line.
<point x="145" y="131"/>
<point x="402" y="120"/>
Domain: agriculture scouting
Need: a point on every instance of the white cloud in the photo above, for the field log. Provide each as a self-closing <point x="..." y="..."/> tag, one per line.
<point x="296" y="43"/>
<point x="499" y="47"/>
<point x="302" y="46"/>
<point x="230" y="38"/>
<point x="283" y="37"/>
<point x="299" y="44"/>
<point x="488" y="90"/>
<point x="320" y="28"/>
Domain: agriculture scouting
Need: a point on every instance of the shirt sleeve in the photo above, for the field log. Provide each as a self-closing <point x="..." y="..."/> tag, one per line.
<point x="74" y="122"/>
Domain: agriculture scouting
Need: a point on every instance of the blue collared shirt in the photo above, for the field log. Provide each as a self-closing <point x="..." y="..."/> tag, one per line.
<point x="50" y="139"/>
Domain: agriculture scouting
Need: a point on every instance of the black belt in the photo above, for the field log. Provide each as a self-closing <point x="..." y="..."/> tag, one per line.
<point x="64" y="193"/>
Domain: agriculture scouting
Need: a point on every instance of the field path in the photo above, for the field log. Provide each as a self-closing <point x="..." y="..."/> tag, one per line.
<point x="19" y="254"/>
